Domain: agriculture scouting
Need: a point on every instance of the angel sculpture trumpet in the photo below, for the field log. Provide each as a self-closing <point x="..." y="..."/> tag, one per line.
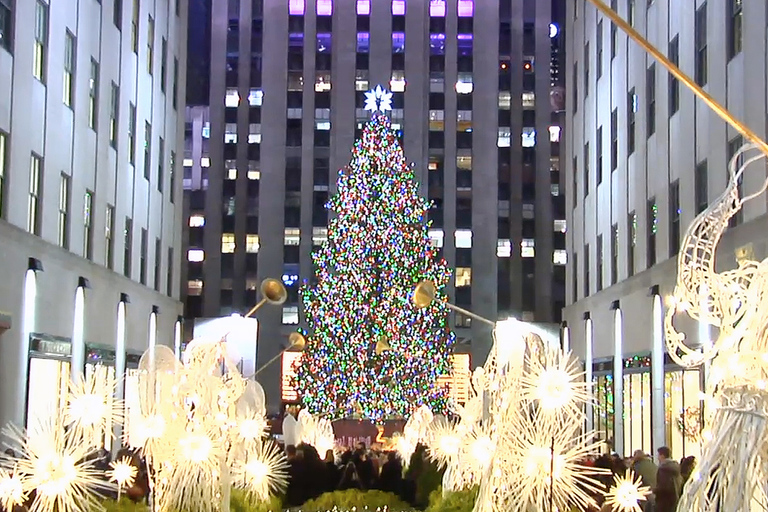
<point x="732" y="469"/>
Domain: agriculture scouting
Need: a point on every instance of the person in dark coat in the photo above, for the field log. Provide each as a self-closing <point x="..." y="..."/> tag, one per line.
<point x="391" y="477"/>
<point x="296" y="493"/>
<point x="669" y="482"/>
<point x="332" y="473"/>
<point x="350" y="479"/>
<point x="314" y="472"/>
<point x="364" y="467"/>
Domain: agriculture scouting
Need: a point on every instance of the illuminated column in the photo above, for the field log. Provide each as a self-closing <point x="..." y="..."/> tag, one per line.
<point x="152" y="338"/>
<point x="120" y="358"/>
<point x="618" y="379"/>
<point x="28" y="322"/>
<point x="77" y="366"/>
<point x="705" y="337"/>
<point x="177" y="338"/>
<point x="565" y="337"/>
<point x="588" y="369"/>
<point x="658" y="422"/>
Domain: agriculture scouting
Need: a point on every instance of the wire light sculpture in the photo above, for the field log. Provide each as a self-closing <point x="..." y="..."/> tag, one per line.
<point x="733" y="467"/>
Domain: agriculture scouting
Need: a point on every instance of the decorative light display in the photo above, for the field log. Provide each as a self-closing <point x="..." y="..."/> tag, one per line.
<point x="123" y="473"/>
<point x="627" y="492"/>
<point x="370" y="353"/>
<point x="689" y="423"/>
<point x="731" y="471"/>
<point x="525" y="450"/>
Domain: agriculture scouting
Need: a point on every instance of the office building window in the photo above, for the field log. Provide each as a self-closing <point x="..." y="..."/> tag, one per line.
<point x="163" y="65"/>
<point x="575" y="273"/>
<point x="135" y="27"/>
<point x="735" y="27"/>
<point x="109" y="237"/>
<point x="33" y="204"/>
<point x="674" y="218"/>
<point x="150" y="44"/>
<point x="599" y="261"/>
<point x="169" y="273"/>
<point x="41" y="40"/>
<point x="117" y="14"/>
<point x="674" y="84"/>
<point x="651" y="228"/>
<point x="587" y="277"/>
<point x="147" y="148"/>
<point x="599" y="155"/>
<point x="172" y="178"/>
<point x="252" y="243"/>
<point x="290" y="315"/>
<point x="93" y="95"/>
<point x="586" y="169"/>
<point x="70" y="52"/>
<point x="114" y="114"/>
<point x="614" y="254"/>
<point x="700" y="45"/>
<point x="3" y="166"/>
<point x="463" y="276"/>
<point x="64" y="211"/>
<point x="599" y="41"/>
<point x="614" y="139"/>
<point x="175" y="84"/>
<point x="586" y="70"/>
<point x="160" y="163"/>
<point x="631" y="117"/>
<point x="6" y="24"/>
<point x="701" y="186"/>
<point x="227" y="243"/>
<point x="132" y="133"/>
<point x="650" y="92"/>
<point x="143" y="257"/>
<point x="575" y="187"/>
<point x="528" y="248"/>
<point x="158" y="261"/>
<point x="575" y="83"/>
<point x="127" y="247"/>
<point x="631" y="12"/>
<point x="88" y="225"/>
<point x="631" y="242"/>
<point x="614" y="40"/>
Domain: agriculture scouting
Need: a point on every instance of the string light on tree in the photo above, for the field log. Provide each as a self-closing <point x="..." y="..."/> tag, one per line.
<point x="369" y="352"/>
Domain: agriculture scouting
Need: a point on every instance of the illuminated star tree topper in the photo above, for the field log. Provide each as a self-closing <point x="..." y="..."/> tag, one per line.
<point x="371" y="353"/>
<point x="378" y="100"/>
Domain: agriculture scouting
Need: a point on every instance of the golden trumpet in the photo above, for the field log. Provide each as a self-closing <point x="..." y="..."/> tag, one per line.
<point x="296" y="341"/>
<point x="272" y="291"/>
<point x="425" y="293"/>
<point x="381" y="347"/>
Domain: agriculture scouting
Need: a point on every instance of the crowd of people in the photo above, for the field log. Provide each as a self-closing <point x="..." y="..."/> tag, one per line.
<point x="665" y="480"/>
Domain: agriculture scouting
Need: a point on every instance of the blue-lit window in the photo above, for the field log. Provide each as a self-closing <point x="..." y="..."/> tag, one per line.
<point x="437" y="44"/>
<point x="398" y="42"/>
<point x="296" y="42"/>
<point x="465" y="45"/>
<point x="324" y="43"/>
<point x="363" y="42"/>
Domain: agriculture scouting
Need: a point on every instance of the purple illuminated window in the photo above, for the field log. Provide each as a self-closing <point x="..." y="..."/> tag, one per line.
<point x="398" y="7"/>
<point x="324" y="42"/>
<point x="437" y="8"/>
<point x="296" y="40"/>
<point x="437" y="44"/>
<point x="363" y="7"/>
<point x="324" y="7"/>
<point x="296" y="7"/>
<point x="398" y="42"/>
<point x="464" y="44"/>
<point x="362" y="42"/>
<point x="466" y="8"/>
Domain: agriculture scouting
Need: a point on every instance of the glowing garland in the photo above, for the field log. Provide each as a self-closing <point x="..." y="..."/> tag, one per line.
<point x="377" y="249"/>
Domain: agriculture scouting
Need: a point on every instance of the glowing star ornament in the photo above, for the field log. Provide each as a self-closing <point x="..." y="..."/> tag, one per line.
<point x="91" y="409"/>
<point x="378" y="100"/>
<point x="263" y="472"/>
<point x="627" y="492"/>
<point x="55" y="465"/>
<point x="123" y="473"/>
<point x="11" y="490"/>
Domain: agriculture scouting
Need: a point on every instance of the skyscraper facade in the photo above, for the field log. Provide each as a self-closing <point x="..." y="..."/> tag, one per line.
<point x="91" y="134"/>
<point x="643" y="158"/>
<point x="477" y="99"/>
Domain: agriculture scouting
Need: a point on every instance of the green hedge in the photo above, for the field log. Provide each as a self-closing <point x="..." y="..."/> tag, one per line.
<point x="459" y="501"/>
<point x="355" y="499"/>
<point x="239" y="501"/>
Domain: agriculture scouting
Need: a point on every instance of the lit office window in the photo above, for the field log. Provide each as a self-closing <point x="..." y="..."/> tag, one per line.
<point x="296" y="7"/>
<point x="196" y="221"/>
<point x="560" y="257"/>
<point x="292" y="236"/>
<point x="466" y="8"/>
<point x="463" y="276"/>
<point x="437" y="8"/>
<point x="527" y="249"/>
<point x="504" y="137"/>
<point x="464" y="83"/>
<point x="503" y="248"/>
<point x="252" y="243"/>
<point x="363" y="7"/>
<point x="195" y="255"/>
<point x="398" y="7"/>
<point x="436" y="236"/>
<point x="227" y="243"/>
<point x="290" y="315"/>
<point x="231" y="98"/>
<point x="324" y="7"/>
<point x="463" y="238"/>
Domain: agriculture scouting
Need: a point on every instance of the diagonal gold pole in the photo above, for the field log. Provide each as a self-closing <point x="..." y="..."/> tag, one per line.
<point x="685" y="79"/>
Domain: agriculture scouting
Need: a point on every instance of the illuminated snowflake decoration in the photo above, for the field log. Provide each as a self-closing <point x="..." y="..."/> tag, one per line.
<point x="122" y="472"/>
<point x="626" y="493"/>
<point x="264" y="471"/>
<point x="378" y="100"/>
<point x="11" y="490"/>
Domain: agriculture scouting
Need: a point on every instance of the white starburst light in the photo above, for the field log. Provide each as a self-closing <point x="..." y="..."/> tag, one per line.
<point x="627" y="492"/>
<point x="378" y="100"/>
<point x="11" y="490"/>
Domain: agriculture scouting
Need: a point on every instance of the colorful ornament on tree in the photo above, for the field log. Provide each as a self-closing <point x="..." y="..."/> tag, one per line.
<point x="370" y="352"/>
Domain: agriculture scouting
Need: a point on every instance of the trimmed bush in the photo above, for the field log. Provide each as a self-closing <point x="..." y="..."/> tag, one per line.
<point x="353" y="498"/>
<point x="459" y="501"/>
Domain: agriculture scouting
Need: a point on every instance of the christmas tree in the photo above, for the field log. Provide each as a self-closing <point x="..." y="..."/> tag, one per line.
<point x="370" y="352"/>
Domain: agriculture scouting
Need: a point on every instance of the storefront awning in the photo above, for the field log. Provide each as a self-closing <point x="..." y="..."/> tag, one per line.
<point x="5" y="321"/>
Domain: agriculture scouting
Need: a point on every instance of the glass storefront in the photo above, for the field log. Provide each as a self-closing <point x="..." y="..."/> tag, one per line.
<point x="682" y="411"/>
<point x="131" y="404"/>
<point x="48" y="377"/>
<point x="682" y="406"/>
